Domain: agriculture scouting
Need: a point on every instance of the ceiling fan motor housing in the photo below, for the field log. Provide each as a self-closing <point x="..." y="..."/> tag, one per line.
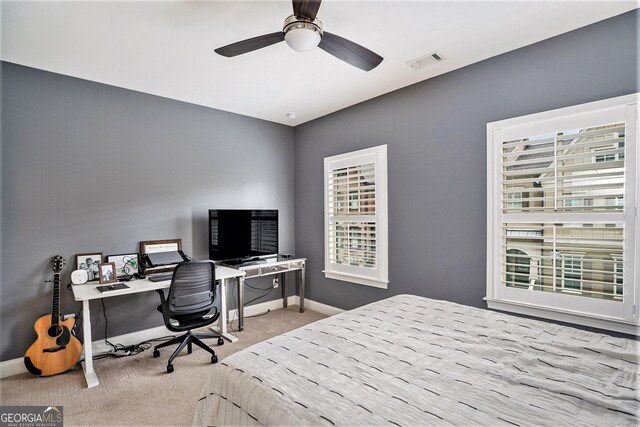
<point x="302" y="34"/>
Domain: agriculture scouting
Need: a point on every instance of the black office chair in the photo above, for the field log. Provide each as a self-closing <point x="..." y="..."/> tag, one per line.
<point x="189" y="305"/>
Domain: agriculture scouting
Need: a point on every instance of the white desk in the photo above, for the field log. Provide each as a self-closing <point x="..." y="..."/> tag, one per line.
<point x="88" y="292"/>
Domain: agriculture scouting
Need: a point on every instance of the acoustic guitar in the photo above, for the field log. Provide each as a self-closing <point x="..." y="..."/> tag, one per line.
<point x="56" y="350"/>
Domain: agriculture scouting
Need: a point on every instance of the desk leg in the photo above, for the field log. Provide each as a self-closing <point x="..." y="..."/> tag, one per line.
<point x="241" y="303"/>
<point x="283" y="284"/>
<point x="221" y="327"/>
<point x="302" y="280"/>
<point x="87" y="366"/>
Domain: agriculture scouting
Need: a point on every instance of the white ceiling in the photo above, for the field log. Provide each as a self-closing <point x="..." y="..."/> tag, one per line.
<point x="166" y="48"/>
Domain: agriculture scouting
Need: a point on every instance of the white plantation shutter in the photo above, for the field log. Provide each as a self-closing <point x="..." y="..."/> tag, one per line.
<point x="356" y="217"/>
<point x="570" y="171"/>
<point x="562" y="214"/>
<point x="573" y="258"/>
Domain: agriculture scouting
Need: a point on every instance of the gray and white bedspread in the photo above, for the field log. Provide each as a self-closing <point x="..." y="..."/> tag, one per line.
<point x="410" y="360"/>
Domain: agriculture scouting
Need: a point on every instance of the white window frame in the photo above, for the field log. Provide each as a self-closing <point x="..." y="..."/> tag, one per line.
<point x="379" y="276"/>
<point x="624" y="316"/>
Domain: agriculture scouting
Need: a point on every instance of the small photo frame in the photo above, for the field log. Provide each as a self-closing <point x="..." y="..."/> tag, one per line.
<point x="89" y="262"/>
<point x="126" y="264"/>
<point x="107" y="272"/>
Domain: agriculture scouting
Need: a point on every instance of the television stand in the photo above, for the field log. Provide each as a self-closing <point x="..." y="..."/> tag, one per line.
<point x="279" y="266"/>
<point x="248" y="263"/>
<point x="242" y="262"/>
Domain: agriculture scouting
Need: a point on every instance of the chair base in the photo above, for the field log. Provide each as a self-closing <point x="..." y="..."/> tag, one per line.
<point x="187" y="340"/>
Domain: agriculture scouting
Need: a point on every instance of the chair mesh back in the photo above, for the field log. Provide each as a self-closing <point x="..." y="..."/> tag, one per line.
<point x="193" y="287"/>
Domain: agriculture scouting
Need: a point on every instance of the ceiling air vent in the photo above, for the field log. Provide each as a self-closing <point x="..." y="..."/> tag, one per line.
<point x="424" y="61"/>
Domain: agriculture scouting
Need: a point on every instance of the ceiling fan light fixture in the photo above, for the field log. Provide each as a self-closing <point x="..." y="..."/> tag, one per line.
<point x="302" y="31"/>
<point x="301" y="34"/>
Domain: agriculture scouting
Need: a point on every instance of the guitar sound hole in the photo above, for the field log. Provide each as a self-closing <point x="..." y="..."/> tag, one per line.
<point x="54" y="330"/>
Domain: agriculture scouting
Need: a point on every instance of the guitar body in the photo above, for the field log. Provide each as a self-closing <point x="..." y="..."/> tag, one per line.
<point x="55" y="351"/>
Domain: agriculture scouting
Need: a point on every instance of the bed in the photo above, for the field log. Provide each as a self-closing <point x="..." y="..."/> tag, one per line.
<point x="409" y="360"/>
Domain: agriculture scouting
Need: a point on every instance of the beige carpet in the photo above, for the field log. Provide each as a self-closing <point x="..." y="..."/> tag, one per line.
<point x="137" y="390"/>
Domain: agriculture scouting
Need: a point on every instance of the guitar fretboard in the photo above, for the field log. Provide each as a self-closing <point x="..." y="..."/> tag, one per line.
<point x="55" y="304"/>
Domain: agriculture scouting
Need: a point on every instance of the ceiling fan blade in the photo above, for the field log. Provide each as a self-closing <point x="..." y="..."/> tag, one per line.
<point x="349" y="52"/>
<point x="306" y="8"/>
<point x="249" y="45"/>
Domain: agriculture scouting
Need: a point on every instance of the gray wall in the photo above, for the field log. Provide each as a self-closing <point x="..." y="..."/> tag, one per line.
<point x="89" y="167"/>
<point x="436" y="136"/>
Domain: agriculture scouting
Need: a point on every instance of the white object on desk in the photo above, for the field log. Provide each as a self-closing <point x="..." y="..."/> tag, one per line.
<point x="79" y="277"/>
<point x="86" y="293"/>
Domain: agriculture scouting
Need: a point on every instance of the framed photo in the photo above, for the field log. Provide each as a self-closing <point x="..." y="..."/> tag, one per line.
<point x="89" y="263"/>
<point x="155" y="246"/>
<point x="107" y="272"/>
<point x="126" y="264"/>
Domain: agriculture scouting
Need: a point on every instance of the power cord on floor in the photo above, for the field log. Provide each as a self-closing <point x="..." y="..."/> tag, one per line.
<point x="268" y="290"/>
<point x="258" y="315"/>
<point x="131" y="350"/>
<point x="258" y="297"/>
<point x="121" y="350"/>
<point x="235" y="302"/>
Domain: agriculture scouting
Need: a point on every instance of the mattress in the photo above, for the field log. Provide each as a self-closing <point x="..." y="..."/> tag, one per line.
<point x="410" y="360"/>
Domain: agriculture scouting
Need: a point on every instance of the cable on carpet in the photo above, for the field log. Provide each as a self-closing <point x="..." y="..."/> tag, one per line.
<point x="268" y="290"/>
<point x="126" y="350"/>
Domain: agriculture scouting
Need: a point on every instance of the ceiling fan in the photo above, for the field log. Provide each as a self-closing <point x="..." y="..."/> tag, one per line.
<point x="302" y="32"/>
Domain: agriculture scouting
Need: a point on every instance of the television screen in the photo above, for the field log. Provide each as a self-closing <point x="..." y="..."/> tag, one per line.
<point x="236" y="234"/>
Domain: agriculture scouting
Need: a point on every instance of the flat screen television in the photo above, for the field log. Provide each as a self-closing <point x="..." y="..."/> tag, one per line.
<point x="241" y="235"/>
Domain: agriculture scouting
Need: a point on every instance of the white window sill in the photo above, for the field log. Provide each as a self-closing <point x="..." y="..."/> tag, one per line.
<point x="356" y="279"/>
<point x="609" y="324"/>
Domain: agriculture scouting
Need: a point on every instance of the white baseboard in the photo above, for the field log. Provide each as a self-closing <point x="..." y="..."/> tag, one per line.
<point x="16" y="366"/>
<point x="252" y="310"/>
<point x="329" y="310"/>
<point x="12" y="367"/>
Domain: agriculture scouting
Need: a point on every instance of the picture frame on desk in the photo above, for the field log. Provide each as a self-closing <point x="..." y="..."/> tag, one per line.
<point x="89" y="262"/>
<point x="155" y="246"/>
<point x="126" y="264"/>
<point x="107" y="272"/>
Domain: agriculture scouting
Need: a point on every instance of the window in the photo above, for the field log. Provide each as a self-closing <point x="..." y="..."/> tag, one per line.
<point x="578" y="227"/>
<point x="611" y="152"/>
<point x="514" y="200"/>
<point x="518" y="268"/>
<point x="356" y="217"/>
<point x="518" y="199"/>
<point x="572" y="271"/>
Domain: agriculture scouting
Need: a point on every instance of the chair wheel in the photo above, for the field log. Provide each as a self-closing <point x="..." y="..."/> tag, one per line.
<point x="156" y="353"/>
<point x="169" y="369"/>
<point x="214" y="359"/>
<point x="220" y="341"/>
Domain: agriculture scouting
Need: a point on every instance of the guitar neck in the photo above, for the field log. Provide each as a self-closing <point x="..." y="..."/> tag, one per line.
<point x="55" y="304"/>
